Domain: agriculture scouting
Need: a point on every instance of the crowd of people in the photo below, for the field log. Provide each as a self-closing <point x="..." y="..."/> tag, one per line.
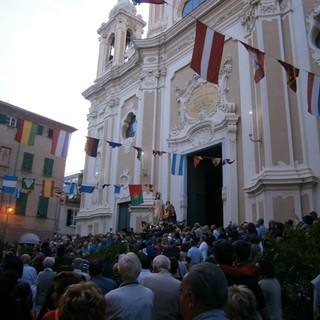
<point x="198" y="272"/>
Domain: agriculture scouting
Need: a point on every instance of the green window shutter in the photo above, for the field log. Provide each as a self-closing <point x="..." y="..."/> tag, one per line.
<point x="43" y="207"/>
<point x="3" y="118"/>
<point x="48" y="166"/>
<point x="40" y="130"/>
<point x="21" y="204"/>
<point x="27" y="162"/>
<point x="50" y="133"/>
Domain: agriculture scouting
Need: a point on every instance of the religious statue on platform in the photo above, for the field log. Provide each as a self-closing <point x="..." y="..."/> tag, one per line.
<point x="170" y="213"/>
<point x="158" y="208"/>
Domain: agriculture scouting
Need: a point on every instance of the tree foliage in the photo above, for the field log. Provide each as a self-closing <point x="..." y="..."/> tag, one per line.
<point x="296" y="259"/>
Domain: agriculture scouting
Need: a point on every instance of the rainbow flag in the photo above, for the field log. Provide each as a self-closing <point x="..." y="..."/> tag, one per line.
<point x="26" y="132"/>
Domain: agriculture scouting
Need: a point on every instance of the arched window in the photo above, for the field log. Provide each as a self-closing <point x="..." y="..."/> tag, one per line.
<point x="191" y="5"/>
<point x="317" y="40"/>
<point x="128" y="39"/>
<point x="111" y="48"/>
<point x="132" y="127"/>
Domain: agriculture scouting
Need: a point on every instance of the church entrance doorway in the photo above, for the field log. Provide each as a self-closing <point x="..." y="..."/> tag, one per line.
<point x="204" y="187"/>
<point x="123" y="215"/>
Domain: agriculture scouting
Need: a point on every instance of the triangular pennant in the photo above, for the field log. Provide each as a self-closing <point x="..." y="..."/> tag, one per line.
<point x="117" y="188"/>
<point x="114" y="144"/>
<point x="196" y="161"/>
<point x="292" y="74"/>
<point x="228" y="161"/>
<point x="258" y="57"/>
<point x="149" y="187"/>
<point x="158" y="153"/>
<point x="216" y="161"/>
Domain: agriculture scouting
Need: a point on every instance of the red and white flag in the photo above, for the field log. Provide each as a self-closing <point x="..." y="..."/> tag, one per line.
<point x="258" y="57"/>
<point x="207" y="53"/>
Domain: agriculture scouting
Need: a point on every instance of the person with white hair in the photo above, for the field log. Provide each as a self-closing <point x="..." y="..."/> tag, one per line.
<point x="131" y="300"/>
<point x="165" y="288"/>
<point x="44" y="282"/>
<point x="77" y="267"/>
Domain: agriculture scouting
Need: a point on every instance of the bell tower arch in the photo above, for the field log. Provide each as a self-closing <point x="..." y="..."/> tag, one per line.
<point x="116" y="36"/>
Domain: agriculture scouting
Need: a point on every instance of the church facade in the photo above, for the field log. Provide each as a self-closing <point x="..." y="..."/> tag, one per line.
<point x="248" y="149"/>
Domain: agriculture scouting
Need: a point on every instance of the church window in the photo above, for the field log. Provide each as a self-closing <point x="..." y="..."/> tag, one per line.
<point x="190" y="5"/>
<point x="129" y="127"/>
<point x="128" y="39"/>
<point x="111" y="48"/>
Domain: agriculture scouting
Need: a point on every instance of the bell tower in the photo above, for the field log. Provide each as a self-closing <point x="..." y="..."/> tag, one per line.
<point x="123" y="26"/>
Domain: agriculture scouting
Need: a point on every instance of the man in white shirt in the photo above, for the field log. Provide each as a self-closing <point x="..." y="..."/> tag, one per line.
<point x="203" y="247"/>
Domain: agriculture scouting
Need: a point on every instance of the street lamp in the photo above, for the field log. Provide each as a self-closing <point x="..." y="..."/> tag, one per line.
<point x="8" y="210"/>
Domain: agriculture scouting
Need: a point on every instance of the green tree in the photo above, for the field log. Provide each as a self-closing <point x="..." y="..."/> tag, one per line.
<point x="296" y="261"/>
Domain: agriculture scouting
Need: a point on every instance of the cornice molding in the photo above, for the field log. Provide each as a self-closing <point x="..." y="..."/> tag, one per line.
<point x="281" y="177"/>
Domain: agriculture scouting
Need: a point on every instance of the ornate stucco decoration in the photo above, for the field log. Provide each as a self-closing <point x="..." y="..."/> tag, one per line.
<point x="181" y="45"/>
<point x="149" y="79"/>
<point x="200" y="100"/>
<point x="124" y="182"/>
<point x="203" y="110"/>
<point x="158" y="27"/>
<point x="224" y="16"/>
<point x="268" y="6"/>
<point x="313" y="30"/>
<point x="249" y="11"/>
<point x="129" y="81"/>
<point x="254" y="8"/>
<point x="177" y="8"/>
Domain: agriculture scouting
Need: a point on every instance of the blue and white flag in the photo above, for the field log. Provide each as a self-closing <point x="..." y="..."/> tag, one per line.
<point x="177" y="164"/>
<point x="9" y="184"/>
<point x="72" y="190"/>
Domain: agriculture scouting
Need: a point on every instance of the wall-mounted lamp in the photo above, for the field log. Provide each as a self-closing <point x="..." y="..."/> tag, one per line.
<point x="251" y="129"/>
<point x="143" y="170"/>
<point x="9" y="210"/>
<point x="255" y="140"/>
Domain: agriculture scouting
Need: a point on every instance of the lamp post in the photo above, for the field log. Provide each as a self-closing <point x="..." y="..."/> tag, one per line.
<point x="8" y="210"/>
